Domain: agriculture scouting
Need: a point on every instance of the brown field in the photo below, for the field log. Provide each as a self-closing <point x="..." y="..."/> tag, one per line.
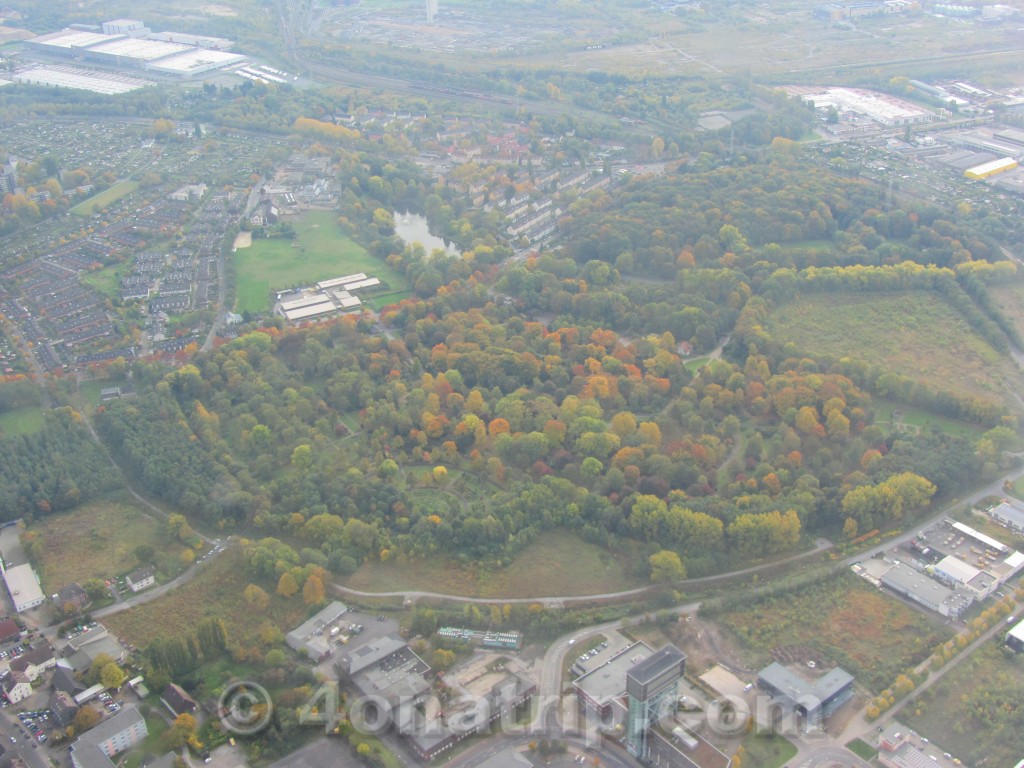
<point x="541" y="570"/>
<point x="97" y="541"/>
<point x="841" y="620"/>
<point x="216" y="590"/>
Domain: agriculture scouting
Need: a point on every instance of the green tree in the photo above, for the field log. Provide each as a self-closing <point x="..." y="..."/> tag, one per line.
<point x="666" y="567"/>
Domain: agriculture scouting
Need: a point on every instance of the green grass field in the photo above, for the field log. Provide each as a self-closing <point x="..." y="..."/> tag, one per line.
<point x="321" y="251"/>
<point x="539" y="570"/>
<point x="21" y="421"/>
<point x="920" y="418"/>
<point x="105" y="198"/>
<point x="912" y="333"/>
<point x="97" y="540"/>
<point x="107" y="280"/>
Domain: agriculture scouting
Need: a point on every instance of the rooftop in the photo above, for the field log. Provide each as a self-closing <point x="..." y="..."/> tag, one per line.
<point x="23" y="584"/>
<point x="658" y="664"/>
<point x="315" y="624"/>
<point x="796" y="687"/>
<point x="609" y="680"/>
<point x="1008" y="513"/>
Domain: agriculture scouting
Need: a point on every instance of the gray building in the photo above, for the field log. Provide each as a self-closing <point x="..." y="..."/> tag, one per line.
<point x="313" y="636"/>
<point x="812" y="700"/>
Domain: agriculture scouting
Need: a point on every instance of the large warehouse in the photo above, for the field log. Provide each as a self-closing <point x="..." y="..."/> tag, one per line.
<point x="992" y="168"/>
<point x="129" y="44"/>
<point x="23" y="584"/>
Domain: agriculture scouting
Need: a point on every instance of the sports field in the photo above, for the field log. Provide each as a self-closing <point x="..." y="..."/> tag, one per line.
<point x="105" y="198"/>
<point x="320" y="251"/>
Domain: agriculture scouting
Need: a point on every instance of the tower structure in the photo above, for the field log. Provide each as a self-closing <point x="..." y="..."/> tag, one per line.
<point x="649" y="685"/>
<point x="431" y="11"/>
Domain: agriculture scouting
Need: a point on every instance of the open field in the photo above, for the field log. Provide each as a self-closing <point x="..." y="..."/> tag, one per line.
<point x="975" y="711"/>
<point x="918" y="418"/>
<point x="912" y="333"/>
<point x="21" y="421"/>
<point x="97" y="540"/>
<point x="107" y="280"/>
<point x="216" y="590"/>
<point x="542" y="569"/>
<point x="320" y="251"/>
<point x="841" y="620"/>
<point x="105" y="198"/>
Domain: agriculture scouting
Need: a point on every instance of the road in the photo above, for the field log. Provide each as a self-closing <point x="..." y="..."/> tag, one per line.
<point x="821" y="545"/>
<point x="33" y="756"/>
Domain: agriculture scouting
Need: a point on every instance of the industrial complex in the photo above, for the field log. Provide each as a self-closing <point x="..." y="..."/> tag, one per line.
<point x="119" y="46"/>
<point x="945" y="568"/>
<point x="328" y="297"/>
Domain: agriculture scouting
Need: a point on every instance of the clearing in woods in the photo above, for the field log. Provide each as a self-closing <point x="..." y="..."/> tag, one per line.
<point x="911" y="333"/>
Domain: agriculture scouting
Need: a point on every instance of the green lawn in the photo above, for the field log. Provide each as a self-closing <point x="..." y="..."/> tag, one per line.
<point x="21" y="421"/>
<point x="862" y="749"/>
<point x="107" y="280"/>
<point x="321" y="251"/>
<point x="911" y="333"/>
<point x="767" y="751"/>
<point x="918" y="417"/>
<point x="105" y="198"/>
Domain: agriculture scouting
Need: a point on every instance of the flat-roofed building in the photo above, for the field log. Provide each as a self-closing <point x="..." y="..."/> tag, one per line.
<point x="955" y="571"/>
<point x="921" y="588"/>
<point x="23" y="585"/>
<point x="599" y="687"/>
<point x="1006" y="514"/>
<point x="133" y="52"/>
<point x="195" y="62"/>
<point x="313" y="310"/>
<point x="312" y="637"/>
<point x="68" y="42"/>
<point x="1015" y="638"/>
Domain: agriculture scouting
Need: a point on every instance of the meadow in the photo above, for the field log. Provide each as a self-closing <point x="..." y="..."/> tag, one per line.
<point x="911" y="333"/>
<point x="216" y="590"/>
<point x="321" y="250"/>
<point x="98" y="540"/>
<point x="540" y="570"/>
<point x="21" y="421"/>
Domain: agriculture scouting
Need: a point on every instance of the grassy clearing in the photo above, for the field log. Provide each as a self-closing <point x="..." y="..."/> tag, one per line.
<point x="98" y="540"/>
<point x="106" y="281"/>
<point x="767" y="751"/>
<point x="846" y="621"/>
<point x="912" y="333"/>
<point x="974" y="712"/>
<point x="216" y="590"/>
<point x="542" y="569"/>
<point x="919" y="418"/>
<point x="323" y="251"/>
<point x="696" y="364"/>
<point x="105" y="198"/>
<point x="22" y="421"/>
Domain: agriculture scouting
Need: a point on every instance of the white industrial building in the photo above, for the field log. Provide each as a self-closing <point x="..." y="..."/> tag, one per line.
<point x="108" y="83"/>
<point x="133" y="27"/>
<point x="133" y="52"/>
<point x="882" y="108"/>
<point x="23" y="584"/>
<point x="195" y="62"/>
<point x="68" y="42"/>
